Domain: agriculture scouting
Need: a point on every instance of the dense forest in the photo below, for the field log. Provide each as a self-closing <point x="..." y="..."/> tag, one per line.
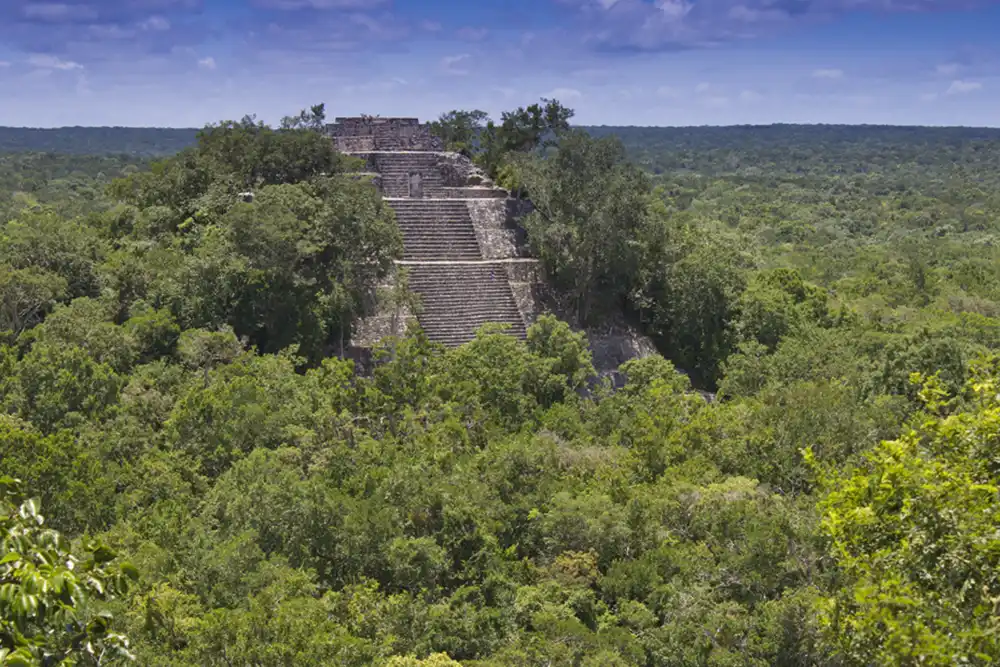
<point x="137" y="141"/>
<point x="219" y="487"/>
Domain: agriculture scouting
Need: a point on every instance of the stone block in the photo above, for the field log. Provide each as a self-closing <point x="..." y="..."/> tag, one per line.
<point x="473" y="193"/>
<point x="527" y="272"/>
<point x="459" y="171"/>
<point x="500" y="237"/>
<point x="366" y="133"/>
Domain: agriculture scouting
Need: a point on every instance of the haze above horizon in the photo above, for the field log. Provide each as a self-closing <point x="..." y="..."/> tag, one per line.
<point x="184" y="63"/>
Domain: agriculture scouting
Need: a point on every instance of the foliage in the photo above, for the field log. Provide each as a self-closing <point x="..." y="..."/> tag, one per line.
<point x="175" y="384"/>
<point x="914" y="532"/>
<point x="460" y="130"/>
<point x="521" y="131"/>
<point x="313" y="119"/>
<point x="589" y="210"/>
<point x="49" y="595"/>
<point x="293" y="266"/>
<point x="94" y="141"/>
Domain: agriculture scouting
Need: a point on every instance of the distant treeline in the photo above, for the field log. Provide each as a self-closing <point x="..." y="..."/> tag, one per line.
<point x="802" y="149"/>
<point x="138" y="141"/>
<point x="685" y="148"/>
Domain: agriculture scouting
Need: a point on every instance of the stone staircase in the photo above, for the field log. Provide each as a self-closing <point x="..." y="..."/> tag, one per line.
<point x="436" y="229"/>
<point x="458" y="288"/>
<point x="459" y="298"/>
<point x="386" y="138"/>
<point x="396" y="168"/>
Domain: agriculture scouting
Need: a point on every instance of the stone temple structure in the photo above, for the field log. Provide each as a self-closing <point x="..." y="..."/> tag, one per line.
<point x="465" y="255"/>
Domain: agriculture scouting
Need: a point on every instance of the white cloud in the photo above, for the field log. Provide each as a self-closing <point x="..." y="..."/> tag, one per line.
<point x="58" y="12"/>
<point x="668" y="93"/>
<point x="750" y="96"/>
<point x="928" y="97"/>
<point x="431" y="26"/>
<point x="207" y="63"/>
<point x="452" y="64"/>
<point x="702" y="87"/>
<point x="828" y="74"/>
<point x="744" y="14"/>
<point x="563" y="94"/>
<point x="948" y="69"/>
<point x="47" y="62"/>
<point x="674" y="9"/>
<point x="155" y="23"/>
<point x="959" y="87"/>
<point x="319" y="4"/>
<point x="4" y="63"/>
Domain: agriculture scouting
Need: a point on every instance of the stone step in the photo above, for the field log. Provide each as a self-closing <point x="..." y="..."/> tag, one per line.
<point x="424" y="215"/>
<point x="427" y="160"/>
<point x="430" y="242"/>
<point x="395" y="164"/>
<point x="401" y="191"/>
<point x="470" y="300"/>
<point x="446" y="218"/>
<point x="437" y="226"/>
<point x="451" y="203"/>
<point x="450" y="217"/>
<point x="429" y="236"/>
<point x="453" y="252"/>
<point x="428" y="207"/>
<point x="436" y="232"/>
<point x="417" y="206"/>
<point x="427" y="172"/>
<point x="458" y="299"/>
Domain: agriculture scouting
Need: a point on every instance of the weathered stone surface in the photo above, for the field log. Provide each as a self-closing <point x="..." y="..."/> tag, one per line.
<point x="527" y="298"/>
<point x="366" y="133"/>
<point x="383" y="320"/>
<point x="495" y="222"/>
<point x="473" y="192"/>
<point x="370" y="330"/>
<point x="528" y="271"/>
<point x="459" y="171"/>
<point x="424" y="184"/>
<point x="354" y="144"/>
<point x="616" y="344"/>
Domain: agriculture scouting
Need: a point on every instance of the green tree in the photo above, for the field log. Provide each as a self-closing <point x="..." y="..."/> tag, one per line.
<point x="26" y="295"/>
<point x="51" y="596"/>
<point x="460" y="130"/>
<point x="914" y="533"/>
<point x="313" y="118"/>
<point x="257" y="229"/>
<point x="524" y="130"/>
<point x="589" y="207"/>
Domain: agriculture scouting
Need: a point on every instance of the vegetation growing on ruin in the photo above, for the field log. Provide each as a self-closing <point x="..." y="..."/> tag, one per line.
<point x="232" y="493"/>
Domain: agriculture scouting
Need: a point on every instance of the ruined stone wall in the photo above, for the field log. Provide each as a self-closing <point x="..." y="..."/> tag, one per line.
<point x="354" y="144"/>
<point x="355" y="126"/>
<point x="459" y="171"/>
<point x="371" y="133"/>
<point x="495" y="222"/>
<point x="380" y="318"/>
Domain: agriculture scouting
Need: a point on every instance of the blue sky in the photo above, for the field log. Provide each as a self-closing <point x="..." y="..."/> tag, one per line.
<point x="184" y="63"/>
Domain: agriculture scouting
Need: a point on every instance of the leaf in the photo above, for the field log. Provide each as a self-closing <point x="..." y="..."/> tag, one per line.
<point x="104" y="554"/>
<point x="19" y="659"/>
<point x="130" y="571"/>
